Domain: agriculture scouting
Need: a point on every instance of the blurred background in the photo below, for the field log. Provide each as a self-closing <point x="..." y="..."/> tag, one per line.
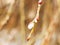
<point x="15" y="16"/>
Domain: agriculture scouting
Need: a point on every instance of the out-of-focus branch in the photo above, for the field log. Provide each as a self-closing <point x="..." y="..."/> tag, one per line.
<point x="4" y="21"/>
<point x="51" y="29"/>
<point x="22" y="21"/>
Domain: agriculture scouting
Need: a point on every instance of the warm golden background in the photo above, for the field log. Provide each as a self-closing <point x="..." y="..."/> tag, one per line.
<point x="15" y="15"/>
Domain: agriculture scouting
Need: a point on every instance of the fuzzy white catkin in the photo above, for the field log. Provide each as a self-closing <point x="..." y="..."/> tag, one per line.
<point x="31" y="25"/>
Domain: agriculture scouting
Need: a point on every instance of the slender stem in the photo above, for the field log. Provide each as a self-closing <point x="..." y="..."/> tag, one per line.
<point x="35" y="19"/>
